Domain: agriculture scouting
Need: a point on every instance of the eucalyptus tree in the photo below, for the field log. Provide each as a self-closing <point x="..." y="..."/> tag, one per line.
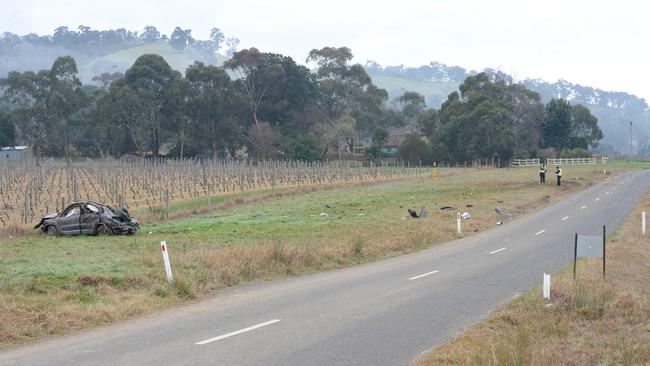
<point x="209" y="96"/>
<point x="347" y="89"/>
<point x="65" y="100"/>
<point x="28" y="94"/>
<point x="151" y="78"/>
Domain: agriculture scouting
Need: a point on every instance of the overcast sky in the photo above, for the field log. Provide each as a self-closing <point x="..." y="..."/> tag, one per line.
<point x="597" y="43"/>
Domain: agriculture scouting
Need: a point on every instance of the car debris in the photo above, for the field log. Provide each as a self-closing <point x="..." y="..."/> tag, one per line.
<point x="423" y="213"/>
<point x="465" y="216"/>
<point x="89" y="218"/>
<point x="502" y="211"/>
<point x="447" y="208"/>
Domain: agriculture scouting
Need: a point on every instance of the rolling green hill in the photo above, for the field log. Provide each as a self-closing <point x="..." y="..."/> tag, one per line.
<point x="123" y="59"/>
<point x="435" y="93"/>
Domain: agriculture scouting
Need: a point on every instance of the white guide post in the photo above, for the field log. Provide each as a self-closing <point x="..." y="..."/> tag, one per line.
<point x="458" y="224"/>
<point x="547" y="286"/>
<point x="643" y="222"/>
<point x="168" y="268"/>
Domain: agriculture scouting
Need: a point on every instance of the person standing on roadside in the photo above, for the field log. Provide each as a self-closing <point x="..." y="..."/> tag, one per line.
<point x="558" y="174"/>
<point x="542" y="173"/>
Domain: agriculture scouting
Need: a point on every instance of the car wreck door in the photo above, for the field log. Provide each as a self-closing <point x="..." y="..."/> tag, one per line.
<point x="70" y="222"/>
<point x="89" y="218"/>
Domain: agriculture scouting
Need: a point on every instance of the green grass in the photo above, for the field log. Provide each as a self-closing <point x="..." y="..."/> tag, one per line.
<point x="54" y="285"/>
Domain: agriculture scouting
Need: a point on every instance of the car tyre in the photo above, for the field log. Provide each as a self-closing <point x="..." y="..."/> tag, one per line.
<point x="52" y="231"/>
<point x="103" y="230"/>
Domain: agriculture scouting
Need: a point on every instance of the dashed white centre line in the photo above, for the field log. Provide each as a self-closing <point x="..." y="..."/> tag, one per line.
<point x="583" y="207"/>
<point x="565" y="218"/>
<point x="237" y="332"/>
<point x="597" y="199"/>
<point x="607" y="192"/>
<point x="497" y="251"/>
<point x="539" y="232"/>
<point x="423" y="275"/>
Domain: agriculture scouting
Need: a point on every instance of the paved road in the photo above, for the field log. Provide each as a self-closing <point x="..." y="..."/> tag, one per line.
<point x="382" y="313"/>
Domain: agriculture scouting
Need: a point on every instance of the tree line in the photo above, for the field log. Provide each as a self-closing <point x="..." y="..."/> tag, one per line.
<point x="277" y="108"/>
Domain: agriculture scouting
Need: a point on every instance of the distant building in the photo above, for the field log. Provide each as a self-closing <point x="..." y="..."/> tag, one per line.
<point x="15" y="153"/>
<point x="395" y="138"/>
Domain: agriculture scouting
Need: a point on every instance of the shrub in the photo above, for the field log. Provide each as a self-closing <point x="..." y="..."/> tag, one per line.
<point x="549" y="153"/>
<point x="414" y="149"/>
<point x="305" y="148"/>
<point x="575" y="153"/>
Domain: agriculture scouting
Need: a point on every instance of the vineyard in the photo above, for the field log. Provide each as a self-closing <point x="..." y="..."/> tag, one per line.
<point x="29" y="191"/>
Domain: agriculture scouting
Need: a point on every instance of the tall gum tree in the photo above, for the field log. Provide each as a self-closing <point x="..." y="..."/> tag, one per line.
<point x="151" y="78"/>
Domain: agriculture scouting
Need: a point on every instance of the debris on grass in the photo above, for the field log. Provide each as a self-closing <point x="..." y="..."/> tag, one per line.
<point x="502" y="211"/>
<point x="465" y="216"/>
<point x="423" y="213"/>
<point x="447" y="208"/>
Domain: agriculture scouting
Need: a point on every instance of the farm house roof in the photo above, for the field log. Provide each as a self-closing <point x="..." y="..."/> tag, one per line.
<point x="12" y="148"/>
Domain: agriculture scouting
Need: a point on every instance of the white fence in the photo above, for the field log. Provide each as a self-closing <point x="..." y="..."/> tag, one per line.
<point x="570" y="161"/>
<point x="560" y="161"/>
<point x="525" y="162"/>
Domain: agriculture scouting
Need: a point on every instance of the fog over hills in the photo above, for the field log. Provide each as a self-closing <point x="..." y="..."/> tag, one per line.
<point x="110" y="51"/>
<point x="614" y="109"/>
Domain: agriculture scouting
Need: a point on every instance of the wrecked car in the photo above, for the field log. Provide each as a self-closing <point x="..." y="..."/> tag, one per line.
<point x="88" y="218"/>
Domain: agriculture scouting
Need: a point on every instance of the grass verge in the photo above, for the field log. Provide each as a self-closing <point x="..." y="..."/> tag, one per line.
<point x="52" y="286"/>
<point x="588" y="322"/>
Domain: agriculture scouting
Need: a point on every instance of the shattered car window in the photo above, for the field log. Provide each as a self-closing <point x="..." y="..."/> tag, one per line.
<point x="92" y="208"/>
<point x="74" y="211"/>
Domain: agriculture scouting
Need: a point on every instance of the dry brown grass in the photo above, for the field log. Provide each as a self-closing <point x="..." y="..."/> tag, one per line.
<point x="590" y="321"/>
<point x="14" y="231"/>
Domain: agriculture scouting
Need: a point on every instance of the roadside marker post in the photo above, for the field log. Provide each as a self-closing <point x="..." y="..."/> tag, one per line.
<point x="643" y="223"/>
<point x="458" y="224"/>
<point x="547" y="287"/>
<point x="168" y="268"/>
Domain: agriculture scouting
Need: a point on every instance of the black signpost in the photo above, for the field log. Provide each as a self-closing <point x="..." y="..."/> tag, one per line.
<point x="588" y="246"/>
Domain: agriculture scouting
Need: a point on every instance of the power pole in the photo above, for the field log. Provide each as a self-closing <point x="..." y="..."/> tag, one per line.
<point x="630" y="140"/>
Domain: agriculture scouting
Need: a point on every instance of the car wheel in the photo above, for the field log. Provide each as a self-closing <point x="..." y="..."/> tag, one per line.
<point x="52" y="231"/>
<point x="103" y="230"/>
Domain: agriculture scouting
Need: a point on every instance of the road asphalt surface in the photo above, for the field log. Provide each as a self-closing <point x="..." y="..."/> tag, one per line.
<point x="382" y="313"/>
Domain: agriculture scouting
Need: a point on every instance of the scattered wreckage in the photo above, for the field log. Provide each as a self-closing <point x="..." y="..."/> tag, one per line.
<point x="89" y="218"/>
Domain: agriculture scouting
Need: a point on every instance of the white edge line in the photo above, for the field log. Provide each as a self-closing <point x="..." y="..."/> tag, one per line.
<point x="565" y="217"/>
<point x="539" y="232"/>
<point x="583" y="207"/>
<point x="237" y="332"/>
<point x="423" y="275"/>
<point x="497" y="251"/>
